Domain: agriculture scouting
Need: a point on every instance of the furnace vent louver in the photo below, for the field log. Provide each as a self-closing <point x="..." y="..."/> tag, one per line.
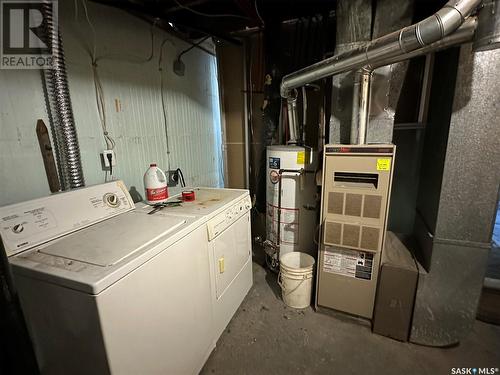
<point x="351" y="235"/>
<point x="336" y="203"/>
<point x="333" y="233"/>
<point x="370" y="238"/>
<point x="364" y="205"/>
<point x="372" y="206"/>
<point x="353" y="204"/>
<point x="356" y="189"/>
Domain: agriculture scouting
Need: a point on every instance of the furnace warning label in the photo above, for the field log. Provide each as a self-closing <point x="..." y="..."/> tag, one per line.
<point x="383" y="164"/>
<point x="351" y="263"/>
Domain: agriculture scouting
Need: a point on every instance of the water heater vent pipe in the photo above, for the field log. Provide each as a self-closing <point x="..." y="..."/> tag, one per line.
<point x="379" y="51"/>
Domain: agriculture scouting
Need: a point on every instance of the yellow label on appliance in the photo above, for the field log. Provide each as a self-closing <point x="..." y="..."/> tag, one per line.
<point x="301" y="157"/>
<point x="221" y="265"/>
<point x="383" y="164"/>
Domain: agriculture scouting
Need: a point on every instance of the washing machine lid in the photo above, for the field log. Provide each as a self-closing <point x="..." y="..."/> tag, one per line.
<point x="111" y="241"/>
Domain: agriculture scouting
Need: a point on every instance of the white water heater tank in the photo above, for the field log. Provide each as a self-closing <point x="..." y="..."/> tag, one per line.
<point x="297" y="211"/>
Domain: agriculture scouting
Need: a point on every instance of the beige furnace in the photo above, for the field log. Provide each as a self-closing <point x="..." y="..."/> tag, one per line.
<point x="354" y="208"/>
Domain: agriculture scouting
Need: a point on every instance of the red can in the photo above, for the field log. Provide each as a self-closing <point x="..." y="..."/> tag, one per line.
<point x="188" y="196"/>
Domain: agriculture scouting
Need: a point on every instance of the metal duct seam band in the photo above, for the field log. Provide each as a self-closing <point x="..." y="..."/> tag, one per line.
<point x="463" y="34"/>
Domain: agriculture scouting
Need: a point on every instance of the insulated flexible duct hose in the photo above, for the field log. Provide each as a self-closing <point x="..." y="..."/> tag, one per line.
<point x="66" y="141"/>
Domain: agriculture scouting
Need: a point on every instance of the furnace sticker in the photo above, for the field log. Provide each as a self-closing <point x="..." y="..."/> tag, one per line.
<point x="274" y="163"/>
<point x="350" y="263"/>
<point x="383" y="164"/>
<point x="303" y="157"/>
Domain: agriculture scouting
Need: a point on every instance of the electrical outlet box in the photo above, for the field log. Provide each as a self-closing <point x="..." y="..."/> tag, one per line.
<point x="173" y="178"/>
<point x="105" y="159"/>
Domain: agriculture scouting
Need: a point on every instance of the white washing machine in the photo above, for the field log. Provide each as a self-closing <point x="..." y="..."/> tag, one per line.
<point x="107" y="288"/>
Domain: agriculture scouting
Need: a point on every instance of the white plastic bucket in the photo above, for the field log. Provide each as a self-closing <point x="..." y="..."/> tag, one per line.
<point x="295" y="279"/>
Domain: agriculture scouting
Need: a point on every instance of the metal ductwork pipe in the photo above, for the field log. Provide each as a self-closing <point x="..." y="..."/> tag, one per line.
<point x="354" y="30"/>
<point x="488" y="32"/>
<point x="464" y="34"/>
<point x="444" y="22"/>
<point x="66" y="141"/>
<point x="360" y="105"/>
<point x="292" y="119"/>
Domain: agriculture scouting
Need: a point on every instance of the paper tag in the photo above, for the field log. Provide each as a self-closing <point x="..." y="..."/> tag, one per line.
<point x="383" y="164"/>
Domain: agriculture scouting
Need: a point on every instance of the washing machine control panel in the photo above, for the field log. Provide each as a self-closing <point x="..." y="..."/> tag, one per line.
<point x="223" y="220"/>
<point x="28" y="224"/>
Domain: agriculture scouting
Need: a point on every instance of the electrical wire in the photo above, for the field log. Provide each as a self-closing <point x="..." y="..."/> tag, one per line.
<point x="165" y="122"/>
<point x="100" y="100"/>
<point x="94" y="34"/>
<point x="181" y="177"/>
<point x="137" y="59"/>
<point x="160" y="57"/>
<point x="163" y="106"/>
<point x="209" y="14"/>
<point x="120" y="57"/>
<point x="193" y="46"/>
<point x="258" y="14"/>
<point x="76" y="10"/>
<point x="99" y="93"/>
<point x="101" y="109"/>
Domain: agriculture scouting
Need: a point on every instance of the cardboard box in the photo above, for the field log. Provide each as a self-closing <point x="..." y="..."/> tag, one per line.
<point x="396" y="290"/>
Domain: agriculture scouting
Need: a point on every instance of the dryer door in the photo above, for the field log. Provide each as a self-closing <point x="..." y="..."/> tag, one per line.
<point x="231" y="249"/>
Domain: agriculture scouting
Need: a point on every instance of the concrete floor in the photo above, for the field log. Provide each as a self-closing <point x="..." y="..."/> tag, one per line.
<point x="266" y="337"/>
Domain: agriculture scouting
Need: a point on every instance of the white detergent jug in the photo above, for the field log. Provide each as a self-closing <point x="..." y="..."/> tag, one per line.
<point x="155" y="185"/>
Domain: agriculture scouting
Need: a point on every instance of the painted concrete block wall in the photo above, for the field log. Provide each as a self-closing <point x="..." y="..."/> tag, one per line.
<point x="134" y="112"/>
